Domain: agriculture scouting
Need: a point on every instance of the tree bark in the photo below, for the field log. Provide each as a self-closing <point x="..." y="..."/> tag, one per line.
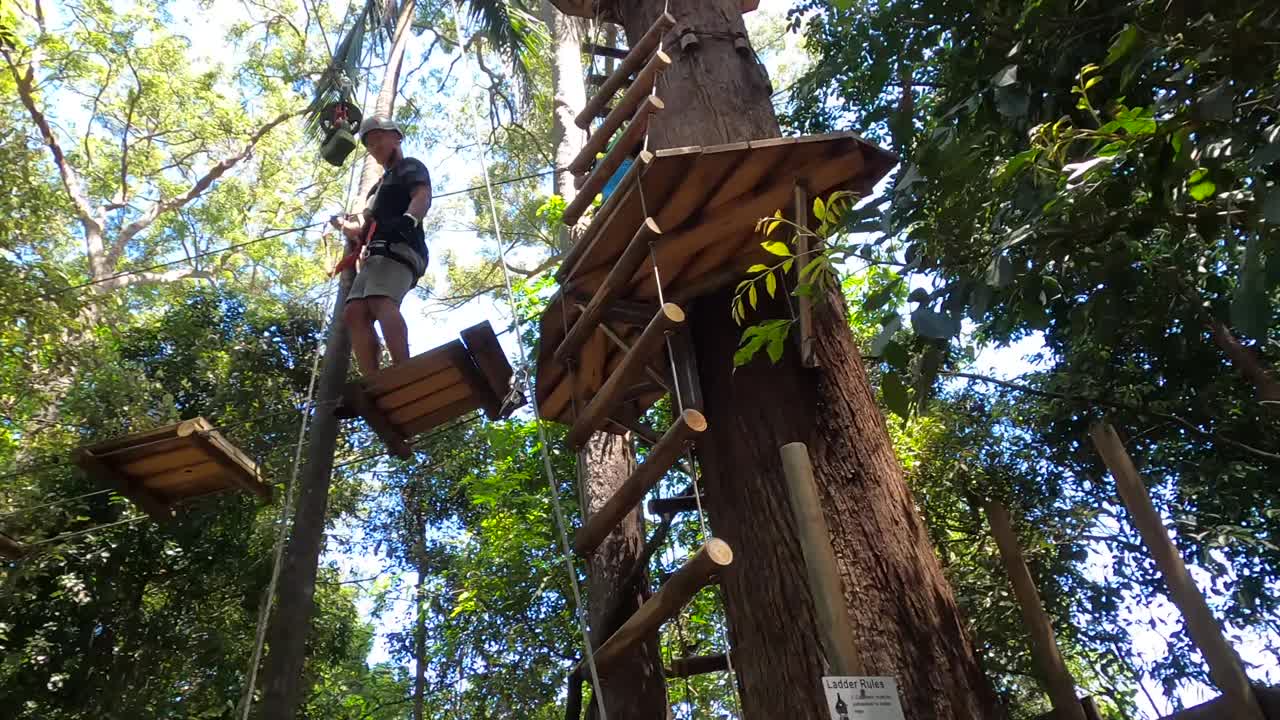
<point x="636" y="689"/>
<point x="903" y="612"/>
<point x="1246" y="362"/>
<point x="283" y="681"/>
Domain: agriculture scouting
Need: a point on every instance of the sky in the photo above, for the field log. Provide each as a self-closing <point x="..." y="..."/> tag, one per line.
<point x="431" y="325"/>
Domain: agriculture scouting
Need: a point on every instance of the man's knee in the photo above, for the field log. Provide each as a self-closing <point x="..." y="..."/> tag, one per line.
<point x="383" y="307"/>
<point x="356" y="314"/>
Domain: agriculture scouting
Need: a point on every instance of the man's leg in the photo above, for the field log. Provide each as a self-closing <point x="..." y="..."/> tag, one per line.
<point x="364" y="341"/>
<point x="394" y="330"/>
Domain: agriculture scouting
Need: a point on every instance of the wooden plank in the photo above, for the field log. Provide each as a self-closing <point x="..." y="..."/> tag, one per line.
<point x="604" y="217"/>
<point x="627" y="144"/>
<point x="482" y="344"/>
<point x="1224" y="665"/>
<point x="139" y="439"/>
<point x="416" y="367"/>
<point x="481" y="391"/>
<point x="1044" y="646"/>
<point x="414" y="391"/>
<point x="209" y="438"/>
<point x="761" y="159"/>
<point x="184" y="456"/>
<point x="436" y="418"/>
<point x="122" y="454"/>
<point x="431" y="403"/>
<point x="636" y="58"/>
<point x="685" y="361"/>
<point x="241" y="471"/>
<point x="604" y="51"/>
<point x="631" y="492"/>
<point x="593" y="416"/>
<point x="672" y="505"/>
<point x="706" y="175"/>
<point x="696" y="665"/>
<point x="804" y="311"/>
<point x="96" y="467"/>
<point x="355" y="396"/>
<point x="165" y="483"/>
<point x="614" y="283"/>
<point x="825" y="585"/>
<point x="665" y="604"/>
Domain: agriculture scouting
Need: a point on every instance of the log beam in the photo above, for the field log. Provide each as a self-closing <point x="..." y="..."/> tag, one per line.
<point x="1224" y="665"/>
<point x="593" y="416"/>
<point x="96" y="466"/>
<point x="667" y="602"/>
<point x="825" y="585"/>
<point x="631" y="62"/>
<point x="661" y="458"/>
<point x="672" y="505"/>
<point x="615" y="117"/>
<point x="1044" y="646"/>
<point x="696" y="665"/>
<point x="612" y="287"/>
<point x="630" y="139"/>
<point x="604" y="51"/>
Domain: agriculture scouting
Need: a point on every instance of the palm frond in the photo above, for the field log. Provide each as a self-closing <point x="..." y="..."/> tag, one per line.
<point x="513" y="28"/>
<point x="342" y="77"/>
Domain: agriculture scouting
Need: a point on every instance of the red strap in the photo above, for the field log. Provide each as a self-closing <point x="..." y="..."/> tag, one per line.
<point x="349" y="260"/>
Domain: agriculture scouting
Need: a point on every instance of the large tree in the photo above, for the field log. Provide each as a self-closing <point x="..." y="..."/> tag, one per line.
<point x="901" y="608"/>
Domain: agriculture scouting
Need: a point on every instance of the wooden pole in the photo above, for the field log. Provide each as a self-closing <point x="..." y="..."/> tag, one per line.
<point x="648" y="345"/>
<point x="612" y="287"/>
<point x="625" y="108"/>
<point x="634" y="59"/>
<point x="808" y="352"/>
<point x="689" y="424"/>
<point x="628" y="142"/>
<point x="825" y="586"/>
<point x="665" y="604"/>
<point x="1224" y="665"/>
<point x="672" y="505"/>
<point x="1044" y="647"/>
<point x="697" y="665"/>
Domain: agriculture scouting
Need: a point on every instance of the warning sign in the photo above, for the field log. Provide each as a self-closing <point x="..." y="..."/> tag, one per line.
<point x="862" y="698"/>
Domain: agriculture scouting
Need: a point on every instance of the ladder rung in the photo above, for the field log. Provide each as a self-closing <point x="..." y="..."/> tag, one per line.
<point x="603" y="218"/>
<point x="625" y="108"/>
<point x="615" y="283"/>
<point x="661" y="458"/>
<point x="628" y="142"/>
<point x="696" y="665"/>
<point x="672" y="505"/>
<point x="649" y="344"/>
<point x="597" y="79"/>
<point x="605" y="51"/>
<point x="631" y="62"/>
<point x="668" y="601"/>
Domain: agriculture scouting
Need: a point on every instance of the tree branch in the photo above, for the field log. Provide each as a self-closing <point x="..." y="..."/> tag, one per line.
<point x="1211" y="434"/>
<point x="163" y="206"/>
<point x="143" y="279"/>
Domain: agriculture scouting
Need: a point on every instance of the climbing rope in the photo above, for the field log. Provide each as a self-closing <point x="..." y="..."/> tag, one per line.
<point x="543" y="440"/>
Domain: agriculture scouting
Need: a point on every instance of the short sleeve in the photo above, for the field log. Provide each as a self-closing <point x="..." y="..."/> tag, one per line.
<point x="410" y="173"/>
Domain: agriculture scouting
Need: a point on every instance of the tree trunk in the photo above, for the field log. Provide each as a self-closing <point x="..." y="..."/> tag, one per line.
<point x="283" y="682"/>
<point x="636" y="689"/>
<point x="1247" y="362"/>
<point x="903" y="613"/>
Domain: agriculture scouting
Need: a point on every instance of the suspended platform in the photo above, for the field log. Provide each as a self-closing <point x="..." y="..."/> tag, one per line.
<point x="703" y="204"/>
<point x="165" y="467"/>
<point x="434" y="387"/>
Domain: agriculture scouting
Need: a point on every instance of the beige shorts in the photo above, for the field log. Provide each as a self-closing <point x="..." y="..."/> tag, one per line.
<point x="381" y="276"/>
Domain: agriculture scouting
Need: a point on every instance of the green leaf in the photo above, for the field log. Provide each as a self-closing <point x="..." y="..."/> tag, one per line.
<point x="786" y="264"/>
<point x="881" y="296"/>
<point x="757" y="268"/>
<point x="819" y="209"/>
<point x="777" y="344"/>
<point x="777" y="248"/>
<point x="752" y="296"/>
<point x="895" y="394"/>
<point x="1199" y="186"/>
<point x="771" y="284"/>
<point x="1016" y="164"/>
<point x="897" y="356"/>
<point x="1269" y="151"/>
<point x="882" y="339"/>
<point x="1008" y="75"/>
<point x="1000" y="271"/>
<point x="1250" y="309"/>
<point x="931" y="324"/>
<point x="1122" y="44"/>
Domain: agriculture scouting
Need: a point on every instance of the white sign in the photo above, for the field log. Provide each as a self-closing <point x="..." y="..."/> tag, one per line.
<point x="862" y="698"/>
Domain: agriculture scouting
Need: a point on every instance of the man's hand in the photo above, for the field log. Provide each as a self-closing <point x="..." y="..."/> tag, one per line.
<point x="407" y="227"/>
<point x="350" y="225"/>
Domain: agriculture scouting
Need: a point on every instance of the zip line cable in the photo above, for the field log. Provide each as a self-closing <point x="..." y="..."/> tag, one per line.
<point x="543" y="440"/>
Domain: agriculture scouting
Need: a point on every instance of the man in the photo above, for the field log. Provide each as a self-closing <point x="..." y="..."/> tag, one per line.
<point x="394" y="253"/>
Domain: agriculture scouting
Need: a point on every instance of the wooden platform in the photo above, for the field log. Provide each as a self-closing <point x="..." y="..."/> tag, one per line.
<point x="161" y="468"/>
<point x="706" y="202"/>
<point x="435" y="387"/>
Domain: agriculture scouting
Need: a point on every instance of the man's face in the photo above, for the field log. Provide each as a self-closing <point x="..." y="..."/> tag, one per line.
<point x="382" y="144"/>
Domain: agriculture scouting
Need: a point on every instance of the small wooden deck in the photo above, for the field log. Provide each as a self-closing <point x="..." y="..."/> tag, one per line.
<point x="705" y="202"/>
<point x="161" y="468"/>
<point x="434" y="387"/>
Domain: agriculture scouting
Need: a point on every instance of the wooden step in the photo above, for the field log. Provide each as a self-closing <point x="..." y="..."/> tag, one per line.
<point x="612" y="287"/>
<point x="632" y="61"/>
<point x="672" y="505"/>
<point x="665" y="604"/>
<point x="696" y="665"/>
<point x="603" y="219"/>
<point x="626" y="108"/>
<point x="628" y="143"/>
<point x="660" y="459"/>
<point x="605" y="51"/>
<point x="649" y="344"/>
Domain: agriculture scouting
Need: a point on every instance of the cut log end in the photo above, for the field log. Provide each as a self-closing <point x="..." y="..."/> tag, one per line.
<point x="719" y="552"/>
<point x="696" y="421"/>
<point x="673" y="313"/>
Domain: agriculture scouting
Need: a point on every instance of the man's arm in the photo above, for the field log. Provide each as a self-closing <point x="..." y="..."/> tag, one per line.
<point x="420" y="202"/>
<point x="350" y="225"/>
